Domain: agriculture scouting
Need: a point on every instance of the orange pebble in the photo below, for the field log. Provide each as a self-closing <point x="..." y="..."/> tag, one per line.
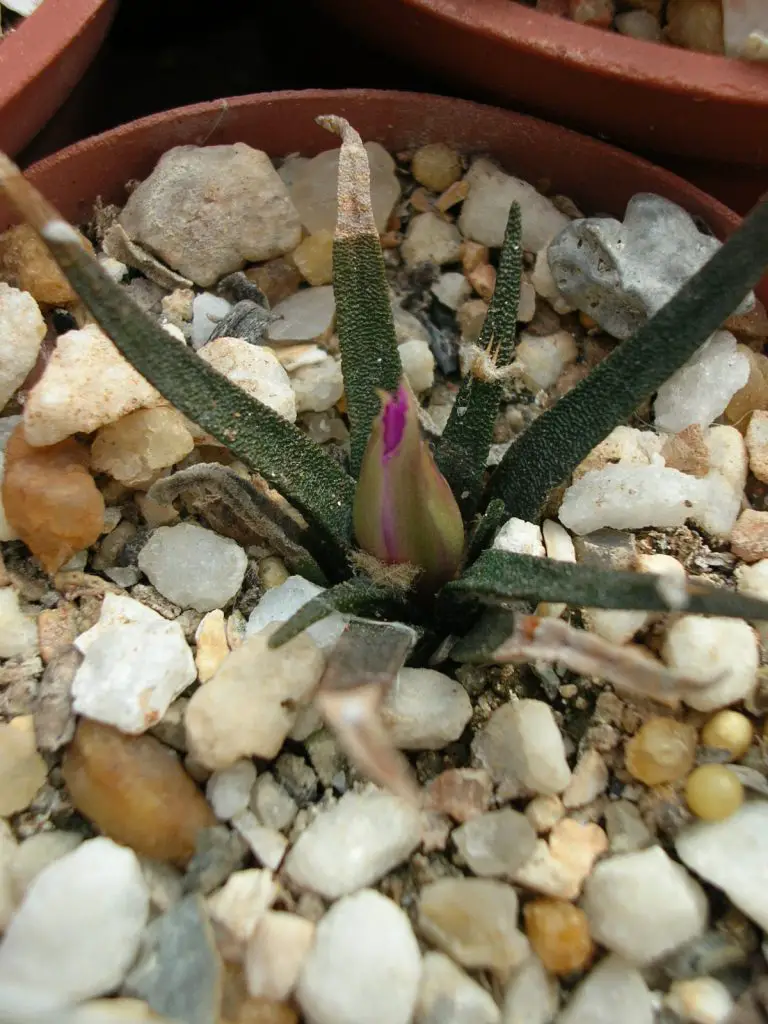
<point x="559" y="934"/>
<point x="51" y="499"/>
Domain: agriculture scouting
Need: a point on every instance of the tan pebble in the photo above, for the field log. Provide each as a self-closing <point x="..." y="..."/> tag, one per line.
<point x="22" y="770"/>
<point x="436" y="166"/>
<point x="463" y="793"/>
<point x="56" y="629"/>
<point x="754" y="394"/>
<point x="470" y="317"/>
<point x="135" y="790"/>
<point x="272" y="572"/>
<point x="589" y="780"/>
<point x="154" y="512"/>
<point x="714" y="792"/>
<point x="544" y="812"/>
<point x="757" y="444"/>
<point x="137" y="446"/>
<point x="577" y="846"/>
<point x="27" y="263"/>
<point x="420" y="201"/>
<point x="544" y="874"/>
<point x="663" y="750"/>
<point x="749" y="539"/>
<point x="687" y="451"/>
<point x="695" y="25"/>
<point x="473" y="254"/>
<point x="598" y="13"/>
<point x="212" y="646"/>
<point x="559" y="935"/>
<point x="278" y="279"/>
<point x="455" y="193"/>
<point x="276" y="953"/>
<point x="483" y="280"/>
<point x="314" y="257"/>
<point x="241" y="903"/>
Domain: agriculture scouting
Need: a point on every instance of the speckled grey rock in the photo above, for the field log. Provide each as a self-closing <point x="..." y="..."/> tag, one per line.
<point x="621" y="274"/>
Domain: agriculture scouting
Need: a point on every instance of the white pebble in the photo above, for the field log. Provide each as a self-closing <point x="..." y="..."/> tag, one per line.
<point x="722" y="654"/>
<point x="701" y="389"/>
<point x="77" y="932"/>
<point x="365" y="964"/>
<point x="272" y="805"/>
<point x="279" y="604"/>
<point x="34" y="854"/>
<point x="700" y="1001"/>
<point x="425" y="710"/>
<point x="267" y="844"/>
<point x="308" y="315"/>
<point x="541" y="360"/>
<point x="519" y="537"/>
<point x="229" y="790"/>
<point x="7" y="425"/>
<point x="207" y="310"/>
<point x="613" y="987"/>
<point x="523" y="741"/>
<point x="430" y="239"/>
<point x="495" y="844"/>
<point x="318" y="387"/>
<point x="242" y="902"/>
<point x="642" y="905"/>
<point x="22" y="329"/>
<point x="193" y="567"/>
<point x="732" y="855"/>
<point x="254" y="368"/>
<point x="452" y="288"/>
<point x="418" y="364"/>
<point x="531" y="996"/>
<point x="447" y="995"/>
<point x="136" y="663"/>
<point x="354" y="843"/>
<point x="18" y="632"/>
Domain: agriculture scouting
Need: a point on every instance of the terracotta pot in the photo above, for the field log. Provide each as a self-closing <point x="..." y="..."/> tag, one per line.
<point x="43" y="59"/>
<point x="598" y="177"/>
<point x="648" y="96"/>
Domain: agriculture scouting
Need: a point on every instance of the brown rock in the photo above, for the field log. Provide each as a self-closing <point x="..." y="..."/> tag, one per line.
<point x="752" y="326"/>
<point x="51" y="499"/>
<point x="26" y="263"/>
<point x="463" y="793"/>
<point x="687" y="451"/>
<point x="749" y="540"/>
<point x="135" y="790"/>
<point x="754" y="394"/>
<point x="559" y="934"/>
<point x="696" y="25"/>
<point x="278" y="279"/>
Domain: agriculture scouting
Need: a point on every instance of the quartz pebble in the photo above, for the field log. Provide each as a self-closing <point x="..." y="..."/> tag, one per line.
<point x="612" y="987"/>
<point x="314" y="257"/>
<point x="425" y="709"/>
<point x="589" y="780"/>
<point x="486" y="208"/>
<point x="272" y="804"/>
<point x="418" y="364"/>
<point x="701" y="389"/>
<point x="544" y="812"/>
<point x="643" y="905"/>
<point x="251" y="217"/>
<point x="34" y="854"/>
<point x="449" y="996"/>
<point x="452" y="289"/>
<point x="620" y="274"/>
<point x="352" y="845"/>
<point x="241" y="904"/>
<point x="522" y="742"/>
<point x="757" y="444"/>
<point x="250" y="705"/>
<point x="7" y="425"/>
<point x="85" y="385"/>
<point x="256" y="369"/>
<point x="229" y="790"/>
<point x="531" y="996"/>
<point x="462" y="793"/>
<point x="212" y="646"/>
<point x="22" y="769"/>
<point x="134" y="448"/>
<point x="474" y="921"/>
<point x="749" y="539"/>
<point x="721" y="653"/>
<point x="50" y="500"/>
<point x="279" y="604"/>
<point x="266" y="844"/>
<point x="77" y="931"/>
<point x="541" y="360"/>
<point x="700" y="1001"/>
<point x="313" y="186"/>
<point x="731" y="855"/>
<point x="318" y="387"/>
<point x="22" y="330"/>
<point x="559" y="935"/>
<point x="304" y="317"/>
<point x="18" y="632"/>
<point x="430" y="239"/>
<point x="136" y="663"/>
<point x="626" y="830"/>
<point x="496" y="843"/>
<point x="519" y="537"/>
<point x="192" y="566"/>
<point x="276" y="953"/>
<point x="364" y="965"/>
<point x="135" y="790"/>
<point x="207" y="310"/>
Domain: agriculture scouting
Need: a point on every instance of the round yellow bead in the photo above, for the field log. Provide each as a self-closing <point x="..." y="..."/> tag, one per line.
<point x="713" y="792"/>
<point x="728" y="730"/>
<point x="662" y="750"/>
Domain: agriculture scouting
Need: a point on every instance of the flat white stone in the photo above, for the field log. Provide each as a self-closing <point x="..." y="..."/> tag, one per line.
<point x="522" y="741"/>
<point x="643" y="905"/>
<point x="354" y="844"/>
<point x="256" y="369"/>
<point x="307" y="315"/>
<point x="18" y="632"/>
<point x="279" y="604"/>
<point x="452" y="288"/>
<point x="267" y="844"/>
<point x="318" y="387"/>
<point x="241" y="904"/>
<point x="612" y="991"/>
<point x="276" y="954"/>
<point x="447" y="995"/>
<point x="701" y="389"/>
<point x="136" y="663"/>
<point x="364" y="966"/>
<point x="733" y="855"/>
<point x="418" y="364"/>
<point x="531" y="996"/>
<point x="22" y="329"/>
<point x="77" y="932"/>
<point x="520" y="538"/>
<point x="430" y="239"/>
<point x="193" y="567"/>
<point x="485" y="210"/>
<point x="722" y="653"/>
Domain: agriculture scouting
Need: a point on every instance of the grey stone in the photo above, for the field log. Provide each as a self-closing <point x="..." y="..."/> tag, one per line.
<point x="218" y="852"/>
<point x="622" y="273"/>
<point x="613" y="991"/>
<point x="449" y="996"/>
<point x="179" y="972"/>
<point x="497" y="843"/>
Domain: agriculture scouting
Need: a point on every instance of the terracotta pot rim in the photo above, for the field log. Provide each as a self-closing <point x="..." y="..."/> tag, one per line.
<point x="610" y="54"/>
<point x="247" y="100"/>
<point x="39" y="41"/>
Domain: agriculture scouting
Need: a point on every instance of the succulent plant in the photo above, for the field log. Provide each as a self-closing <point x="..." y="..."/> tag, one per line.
<point x="402" y="540"/>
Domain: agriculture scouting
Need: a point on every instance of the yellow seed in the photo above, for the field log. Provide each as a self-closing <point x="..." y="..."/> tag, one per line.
<point x="728" y="730"/>
<point x="713" y="792"/>
<point x="661" y="751"/>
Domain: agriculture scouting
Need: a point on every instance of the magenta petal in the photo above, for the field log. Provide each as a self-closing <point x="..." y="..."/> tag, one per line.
<point x="394" y="415"/>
